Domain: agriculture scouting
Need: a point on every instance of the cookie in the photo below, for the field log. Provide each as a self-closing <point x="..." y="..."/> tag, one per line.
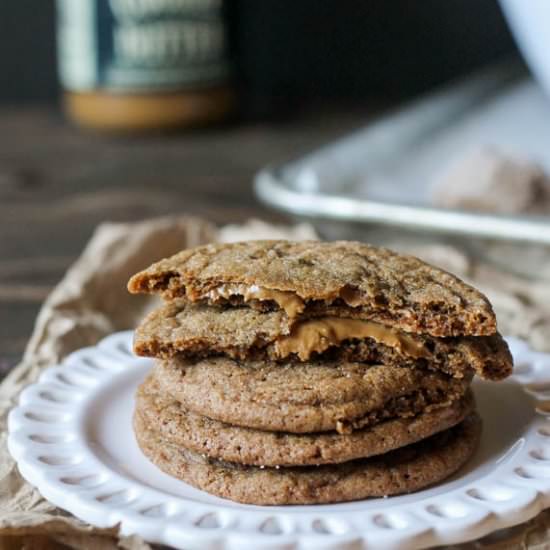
<point x="338" y="278"/>
<point x="404" y="470"/>
<point x="302" y="397"/>
<point x="198" y="331"/>
<point x="261" y="448"/>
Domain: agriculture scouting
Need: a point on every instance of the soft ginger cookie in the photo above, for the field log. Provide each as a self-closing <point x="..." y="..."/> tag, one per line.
<point x="198" y="331"/>
<point x="304" y="397"/>
<point x="404" y="470"/>
<point x="261" y="448"/>
<point x="338" y="278"/>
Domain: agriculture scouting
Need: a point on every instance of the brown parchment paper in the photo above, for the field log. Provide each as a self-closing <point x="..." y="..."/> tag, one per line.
<point x="91" y="301"/>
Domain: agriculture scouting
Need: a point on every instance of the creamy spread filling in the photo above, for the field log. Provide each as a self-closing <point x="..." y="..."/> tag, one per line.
<point x="287" y="300"/>
<point x="317" y="335"/>
<point x="290" y="302"/>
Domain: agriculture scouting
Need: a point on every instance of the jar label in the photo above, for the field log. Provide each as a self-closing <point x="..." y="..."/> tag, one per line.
<point x="140" y="45"/>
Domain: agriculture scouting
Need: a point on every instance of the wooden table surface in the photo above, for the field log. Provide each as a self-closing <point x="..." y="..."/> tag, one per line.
<point x="57" y="183"/>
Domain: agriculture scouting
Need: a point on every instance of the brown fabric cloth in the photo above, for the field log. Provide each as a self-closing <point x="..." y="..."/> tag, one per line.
<point x="91" y="301"/>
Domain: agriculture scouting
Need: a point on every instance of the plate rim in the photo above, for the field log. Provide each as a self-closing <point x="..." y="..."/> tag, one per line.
<point x="446" y="518"/>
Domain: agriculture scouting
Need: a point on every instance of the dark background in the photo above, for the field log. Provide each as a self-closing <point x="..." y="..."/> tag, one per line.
<point x="308" y="71"/>
<point x="288" y="52"/>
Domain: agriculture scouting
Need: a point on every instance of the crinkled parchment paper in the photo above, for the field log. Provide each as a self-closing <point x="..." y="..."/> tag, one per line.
<point x="91" y="301"/>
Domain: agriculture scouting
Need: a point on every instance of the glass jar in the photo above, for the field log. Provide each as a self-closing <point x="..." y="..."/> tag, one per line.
<point x="139" y="65"/>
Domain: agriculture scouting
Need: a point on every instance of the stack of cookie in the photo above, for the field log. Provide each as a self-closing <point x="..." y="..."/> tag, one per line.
<point x="293" y="373"/>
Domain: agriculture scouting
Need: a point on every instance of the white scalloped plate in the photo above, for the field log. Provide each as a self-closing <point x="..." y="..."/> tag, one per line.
<point x="72" y="438"/>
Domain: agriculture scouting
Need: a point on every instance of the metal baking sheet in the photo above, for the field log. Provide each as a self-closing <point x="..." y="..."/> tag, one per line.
<point x="384" y="173"/>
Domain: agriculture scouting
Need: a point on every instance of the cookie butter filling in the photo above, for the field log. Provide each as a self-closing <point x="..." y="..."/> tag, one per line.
<point x="287" y="300"/>
<point x="290" y="302"/>
<point x="317" y="335"/>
